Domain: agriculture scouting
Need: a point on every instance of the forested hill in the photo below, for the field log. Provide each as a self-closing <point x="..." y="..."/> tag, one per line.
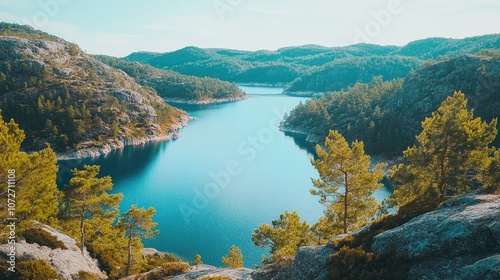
<point x="313" y="68"/>
<point x="174" y="86"/>
<point x="63" y="97"/>
<point x="387" y="115"/>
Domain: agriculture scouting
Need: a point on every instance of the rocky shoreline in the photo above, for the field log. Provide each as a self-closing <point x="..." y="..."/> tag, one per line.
<point x="117" y="144"/>
<point x="310" y="138"/>
<point x="206" y="101"/>
<point x="301" y="93"/>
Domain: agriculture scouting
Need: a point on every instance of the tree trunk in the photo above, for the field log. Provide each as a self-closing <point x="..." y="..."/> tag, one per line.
<point x="82" y="230"/>
<point x="345" y="202"/>
<point x="129" y="259"/>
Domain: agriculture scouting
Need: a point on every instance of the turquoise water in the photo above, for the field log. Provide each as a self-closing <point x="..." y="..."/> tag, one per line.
<point x="230" y="171"/>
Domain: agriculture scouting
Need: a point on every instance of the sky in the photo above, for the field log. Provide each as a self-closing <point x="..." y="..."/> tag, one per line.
<point x="120" y="27"/>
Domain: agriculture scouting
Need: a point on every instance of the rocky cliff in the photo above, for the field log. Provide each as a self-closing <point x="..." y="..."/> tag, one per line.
<point x="66" y="262"/>
<point x="63" y="97"/>
<point x="424" y="90"/>
<point x="460" y="240"/>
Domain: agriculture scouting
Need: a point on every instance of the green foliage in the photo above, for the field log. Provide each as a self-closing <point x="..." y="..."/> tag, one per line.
<point x="346" y="183"/>
<point x="42" y="238"/>
<point x="137" y="223"/>
<point x="73" y="110"/>
<point x="357" y="264"/>
<point x="197" y="260"/>
<point x="312" y="67"/>
<point x="175" y="268"/>
<point x="87" y="202"/>
<point x="284" y="236"/>
<point x="170" y="84"/>
<point x="451" y="155"/>
<point x="492" y="174"/>
<point x="234" y="258"/>
<point x="84" y="275"/>
<point x="154" y="261"/>
<point x="24" y="31"/>
<point x="356" y="113"/>
<point x="345" y="73"/>
<point x="34" y="269"/>
<point x="34" y="177"/>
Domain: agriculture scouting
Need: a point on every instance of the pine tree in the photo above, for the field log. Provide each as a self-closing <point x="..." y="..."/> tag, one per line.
<point x="346" y="183"/>
<point x="86" y="201"/>
<point x="137" y="223"/>
<point x="197" y="260"/>
<point x="234" y="258"/>
<point x="32" y="178"/>
<point x="451" y="154"/>
<point x="284" y="236"/>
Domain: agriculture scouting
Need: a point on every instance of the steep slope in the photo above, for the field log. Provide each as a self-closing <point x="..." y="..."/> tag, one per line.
<point x="81" y="107"/>
<point x="172" y="86"/>
<point x="387" y="116"/>
<point x="423" y="91"/>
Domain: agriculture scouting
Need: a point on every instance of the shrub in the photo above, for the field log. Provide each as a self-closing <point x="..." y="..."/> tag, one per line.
<point x="43" y="238"/>
<point x="34" y="269"/>
<point x="175" y="268"/>
<point x="154" y="261"/>
<point x="85" y="275"/>
<point x="357" y="264"/>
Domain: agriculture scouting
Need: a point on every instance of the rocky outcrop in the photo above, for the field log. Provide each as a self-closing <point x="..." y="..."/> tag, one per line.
<point x="461" y="240"/>
<point x="65" y="98"/>
<point x="309" y="264"/>
<point x="424" y="90"/>
<point x="90" y="152"/>
<point x="67" y="263"/>
<point x="198" y="272"/>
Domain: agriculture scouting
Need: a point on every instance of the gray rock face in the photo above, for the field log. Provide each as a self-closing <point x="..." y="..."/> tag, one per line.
<point x="67" y="263"/>
<point x="424" y="90"/>
<point x="309" y="263"/>
<point x="458" y="241"/>
<point x="198" y="272"/>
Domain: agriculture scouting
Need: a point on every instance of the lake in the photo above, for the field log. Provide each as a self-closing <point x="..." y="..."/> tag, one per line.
<point x="231" y="170"/>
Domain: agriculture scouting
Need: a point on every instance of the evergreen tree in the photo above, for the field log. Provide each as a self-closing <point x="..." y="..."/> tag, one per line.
<point x="197" y="260"/>
<point x="451" y="155"/>
<point x="234" y="258"/>
<point x="137" y="223"/>
<point x="86" y="201"/>
<point x="492" y="176"/>
<point x="31" y="177"/>
<point x="284" y="236"/>
<point x="346" y="183"/>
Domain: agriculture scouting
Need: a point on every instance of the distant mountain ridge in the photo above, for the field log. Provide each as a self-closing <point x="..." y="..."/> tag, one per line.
<point x="299" y="67"/>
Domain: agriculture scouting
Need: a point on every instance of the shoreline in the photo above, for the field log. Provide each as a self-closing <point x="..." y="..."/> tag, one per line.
<point x="118" y="144"/>
<point x="207" y="101"/>
<point x="302" y="93"/>
<point x="310" y="138"/>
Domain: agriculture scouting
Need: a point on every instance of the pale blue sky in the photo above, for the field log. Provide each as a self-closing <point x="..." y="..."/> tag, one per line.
<point x="119" y="27"/>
